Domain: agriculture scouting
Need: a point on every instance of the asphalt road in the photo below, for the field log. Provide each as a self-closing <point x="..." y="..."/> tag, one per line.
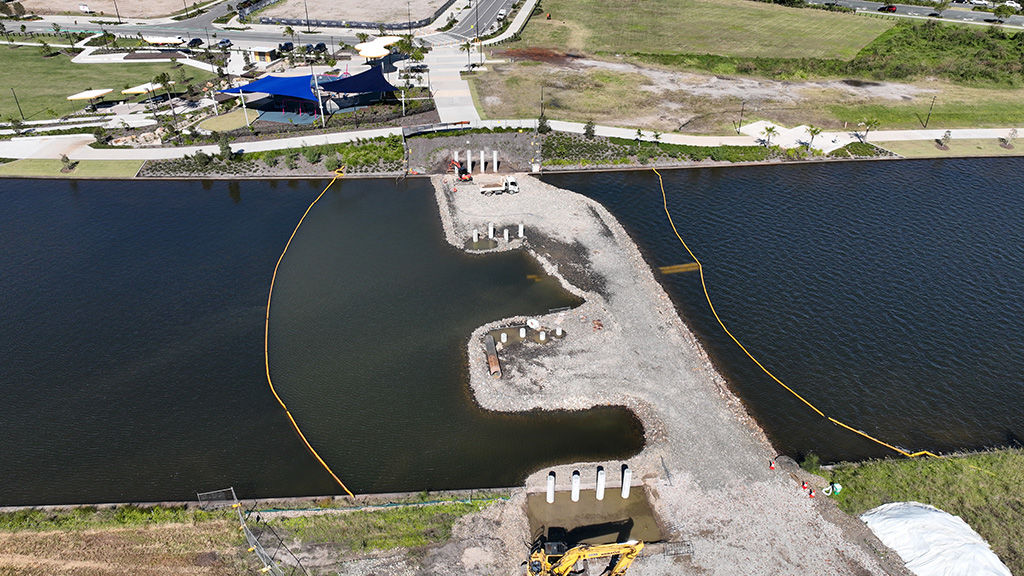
<point x="956" y="12"/>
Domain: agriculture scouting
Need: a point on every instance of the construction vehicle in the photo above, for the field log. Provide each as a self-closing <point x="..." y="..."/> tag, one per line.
<point x="556" y="559"/>
<point x="460" y="171"/>
<point x="508" y="185"/>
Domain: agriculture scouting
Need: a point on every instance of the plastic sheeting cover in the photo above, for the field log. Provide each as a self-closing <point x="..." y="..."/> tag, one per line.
<point x="933" y="542"/>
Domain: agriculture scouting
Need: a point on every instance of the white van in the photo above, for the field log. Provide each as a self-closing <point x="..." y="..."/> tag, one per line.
<point x="501" y="14"/>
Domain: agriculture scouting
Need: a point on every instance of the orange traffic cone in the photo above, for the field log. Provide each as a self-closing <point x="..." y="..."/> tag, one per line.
<point x="771" y="464"/>
<point x="811" y="495"/>
<point x="803" y="485"/>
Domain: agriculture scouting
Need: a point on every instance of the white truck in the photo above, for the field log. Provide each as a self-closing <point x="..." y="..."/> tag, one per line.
<point x="508" y="186"/>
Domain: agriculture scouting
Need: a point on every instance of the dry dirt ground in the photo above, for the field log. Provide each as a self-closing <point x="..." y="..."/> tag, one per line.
<point x="621" y="93"/>
<point x="389" y="11"/>
<point x="127" y="8"/>
<point x="206" y="549"/>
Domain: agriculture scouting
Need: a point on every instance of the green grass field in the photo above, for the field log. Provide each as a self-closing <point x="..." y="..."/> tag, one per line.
<point x="1000" y="110"/>
<point x="43" y="84"/>
<point x="50" y="168"/>
<point x="231" y="121"/>
<point x="984" y="490"/>
<point x="725" y="27"/>
<point x="957" y="148"/>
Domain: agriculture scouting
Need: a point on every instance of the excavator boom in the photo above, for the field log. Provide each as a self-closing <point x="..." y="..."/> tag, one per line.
<point x="544" y="564"/>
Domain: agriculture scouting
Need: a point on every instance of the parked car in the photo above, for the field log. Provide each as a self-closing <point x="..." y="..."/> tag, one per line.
<point x="320" y="47"/>
<point x="308" y="48"/>
<point x="418" y="68"/>
<point x="887" y="8"/>
<point x="224" y="43"/>
<point x="1012" y="4"/>
<point x="285" y="47"/>
<point x="501" y="14"/>
<point x="195" y="43"/>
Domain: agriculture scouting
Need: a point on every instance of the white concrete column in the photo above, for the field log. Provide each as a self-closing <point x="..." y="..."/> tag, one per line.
<point x="521" y="231"/>
<point x="551" y="487"/>
<point x="504" y="337"/>
<point x="455" y="155"/>
<point x="575" y="495"/>
<point x="490" y="230"/>
<point x="600" y="483"/>
<point x="506" y="234"/>
<point x="476" y="235"/>
<point x="542" y="336"/>
<point x="522" y="332"/>
<point x="558" y="332"/>
<point x="627" y="478"/>
<point x="494" y="160"/>
<point x="481" y="161"/>
<point x="469" y="161"/>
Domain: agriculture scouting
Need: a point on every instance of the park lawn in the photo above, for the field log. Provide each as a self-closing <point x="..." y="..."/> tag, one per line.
<point x="724" y="27"/>
<point x="40" y="38"/>
<point x="232" y="120"/>
<point x="43" y="84"/>
<point x="988" y="109"/>
<point x="50" y="168"/>
<point x="983" y="489"/>
<point x="957" y="148"/>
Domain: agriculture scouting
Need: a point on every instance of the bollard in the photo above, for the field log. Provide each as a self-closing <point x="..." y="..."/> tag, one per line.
<point x="551" y="487"/>
<point x="504" y="338"/>
<point x="482" y="162"/>
<point x="506" y="234"/>
<point x="575" y="486"/>
<point x="600" y="483"/>
<point x="627" y="478"/>
<point x="469" y="161"/>
<point x="520" y="230"/>
<point x="455" y="155"/>
<point x="542" y="336"/>
<point x="476" y="236"/>
<point x="490" y="230"/>
<point x="522" y="332"/>
<point x="558" y="331"/>
<point x="494" y="160"/>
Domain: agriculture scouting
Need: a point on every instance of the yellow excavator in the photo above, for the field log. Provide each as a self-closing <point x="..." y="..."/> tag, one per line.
<point x="555" y="559"/>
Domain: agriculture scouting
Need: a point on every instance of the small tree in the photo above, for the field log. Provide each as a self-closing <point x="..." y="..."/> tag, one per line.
<point x="588" y="130"/>
<point x="225" y="147"/>
<point x="288" y="32"/>
<point x="467" y="47"/>
<point x="56" y="28"/>
<point x="942" y="6"/>
<point x="657" y="136"/>
<point x="813" y="131"/>
<point x="1008" y="141"/>
<point x="45" y="50"/>
<point x="542" y="125"/>
<point x="362" y="36"/>
<point x="3" y="30"/>
<point x="1002" y="12"/>
<point x="769" y="131"/>
<point x="947" y="137"/>
<point x="639" y="136"/>
<point x="66" y="164"/>
<point x="869" y="124"/>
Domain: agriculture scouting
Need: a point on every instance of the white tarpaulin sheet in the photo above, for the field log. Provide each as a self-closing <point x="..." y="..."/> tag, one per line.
<point x="933" y="542"/>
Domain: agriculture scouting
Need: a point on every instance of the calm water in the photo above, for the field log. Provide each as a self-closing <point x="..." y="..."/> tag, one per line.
<point x="131" y="345"/>
<point x="891" y="295"/>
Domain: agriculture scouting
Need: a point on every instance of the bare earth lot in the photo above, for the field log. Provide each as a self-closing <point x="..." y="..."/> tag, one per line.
<point x="389" y="11"/>
<point x="127" y="8"/>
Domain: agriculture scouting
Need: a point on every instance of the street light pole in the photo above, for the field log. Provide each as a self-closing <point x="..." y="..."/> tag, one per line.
<point x="476" y="30"/>
<point x="306" y="8"/>
<point x="186" y="8"/>
<point x="117" y="12"/>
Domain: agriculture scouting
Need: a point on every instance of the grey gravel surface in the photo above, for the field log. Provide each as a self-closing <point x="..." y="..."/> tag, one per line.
<point x="705" y="464"/>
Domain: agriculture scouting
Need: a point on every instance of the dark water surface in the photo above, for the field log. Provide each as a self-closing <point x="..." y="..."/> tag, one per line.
<point x="890" y="294"/>
<point x="131" y="345"/>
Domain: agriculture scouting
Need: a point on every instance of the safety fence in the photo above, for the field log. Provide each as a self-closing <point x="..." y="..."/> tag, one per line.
<point x="269" y="555"/>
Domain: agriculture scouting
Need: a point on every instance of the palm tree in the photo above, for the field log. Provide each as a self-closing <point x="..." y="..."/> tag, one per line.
<point x="3" y="30"/>
<point x="813" y="131"/>
<point x="163" y="79"/>
<point x="768" y="133"/>
<point x="868" y="124"/>
<point x="468" y="49"/>
<point x="289" y="32"/>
